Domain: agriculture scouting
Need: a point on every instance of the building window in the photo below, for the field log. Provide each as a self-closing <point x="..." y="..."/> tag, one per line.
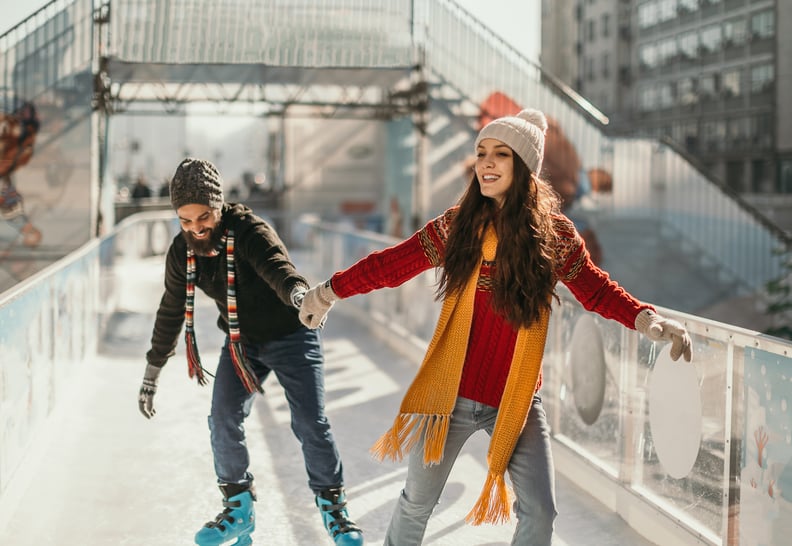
<point x="688" y="45"/>
<point x="647" y="56"/>
<point x="665" y="96"/>
<point x="606" y="65"/>
<point x="734" y="32"/>
<point x="688" y="5"/>
<point x="605" y="25"/>
<point x="647" y="15"/>
<point x="686" y="133"/>
<point x="737" y="132"/>
<point x="647" y="99"/>
<point x="761" y="129"/>
<point x="590" y="30"/>
<point x="731" y="83"/>
<point x="761" y="176"/>
<point x="706" y="87"/>
<point x="735" y="175"/>
<point x="589" y="64"/>
<point x="785" y="176"/>
<point x="711" y="39"/>
<point x="714" y="135"/>
<point x="686" y="92"/>
<point x="667" y="51"/>
<point x="763" y="25"/>
<point x="666" y="10"/>
<point x="762" y="78"/>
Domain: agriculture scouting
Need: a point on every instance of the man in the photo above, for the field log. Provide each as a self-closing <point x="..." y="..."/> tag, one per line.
<point x="239" y="261"/>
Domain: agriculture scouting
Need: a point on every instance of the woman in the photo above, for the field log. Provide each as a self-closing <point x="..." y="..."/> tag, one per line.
<point x="502" y="250"/>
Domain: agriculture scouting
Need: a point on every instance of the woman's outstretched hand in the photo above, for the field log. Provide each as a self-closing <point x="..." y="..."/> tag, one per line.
<point x="658" y="328"/>
<point x="316" y="304"/>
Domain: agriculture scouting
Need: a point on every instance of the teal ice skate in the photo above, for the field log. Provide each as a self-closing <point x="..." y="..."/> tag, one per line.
<point x="237" y="521"/>
<point x="332" y="507"/>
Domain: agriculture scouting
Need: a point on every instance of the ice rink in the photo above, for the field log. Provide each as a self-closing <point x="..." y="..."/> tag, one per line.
<point x="107" y="476"/>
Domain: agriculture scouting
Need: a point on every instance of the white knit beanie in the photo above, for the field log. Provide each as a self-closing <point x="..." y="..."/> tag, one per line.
<point x="523" y="133"/>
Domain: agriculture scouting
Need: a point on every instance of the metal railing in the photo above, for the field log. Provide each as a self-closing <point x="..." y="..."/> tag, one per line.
<point x="686" y="453"/>
<point x="46" y="51"/>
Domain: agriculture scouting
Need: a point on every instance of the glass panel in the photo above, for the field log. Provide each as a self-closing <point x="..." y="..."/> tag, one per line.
<point x="330" y="33"/>
<point x="683" y="444"/>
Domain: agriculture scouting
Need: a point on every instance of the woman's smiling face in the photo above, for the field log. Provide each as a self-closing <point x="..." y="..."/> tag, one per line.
<point x="494" y="169"/>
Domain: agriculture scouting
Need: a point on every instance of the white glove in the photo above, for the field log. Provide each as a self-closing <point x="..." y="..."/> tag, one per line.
<point x="658" y="328"/>
<point x="316" y="304"/>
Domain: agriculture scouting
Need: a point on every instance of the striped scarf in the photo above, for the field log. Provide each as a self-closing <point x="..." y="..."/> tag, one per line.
<point x="425" y="411"/>
<point x="235" y="347"/>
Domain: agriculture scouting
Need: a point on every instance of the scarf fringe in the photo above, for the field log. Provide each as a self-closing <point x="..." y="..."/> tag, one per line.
<point x="493" y="505"/>
<point x="243" y="369"/>
<point x="407" y="431"/>
<point x="194" y="368"/>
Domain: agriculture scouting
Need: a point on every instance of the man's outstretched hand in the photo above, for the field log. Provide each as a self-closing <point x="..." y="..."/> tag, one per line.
<point x="147" y="391"/>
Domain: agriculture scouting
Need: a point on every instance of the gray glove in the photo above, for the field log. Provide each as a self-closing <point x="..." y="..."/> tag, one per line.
<point x="316" y="304"/>
<point x="147" y="391"/>
<point x="658" y="328"/>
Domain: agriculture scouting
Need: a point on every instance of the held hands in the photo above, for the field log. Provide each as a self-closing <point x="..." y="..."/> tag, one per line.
<point x="658" y="328"/>
<point x="316" y="304"/>
<point x="147" y="391"/>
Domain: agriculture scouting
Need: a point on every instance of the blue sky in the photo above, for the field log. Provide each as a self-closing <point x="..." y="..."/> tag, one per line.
<point x="15" y="11"/>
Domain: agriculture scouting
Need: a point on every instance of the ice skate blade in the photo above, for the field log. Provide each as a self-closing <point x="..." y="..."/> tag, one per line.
<point x="242" y="540"/>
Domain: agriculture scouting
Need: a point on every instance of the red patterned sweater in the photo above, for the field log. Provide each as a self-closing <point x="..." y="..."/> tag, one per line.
<point x="492" y="338"/>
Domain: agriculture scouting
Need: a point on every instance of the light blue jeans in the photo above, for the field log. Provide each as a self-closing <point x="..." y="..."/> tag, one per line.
<point x="530" y="471"/>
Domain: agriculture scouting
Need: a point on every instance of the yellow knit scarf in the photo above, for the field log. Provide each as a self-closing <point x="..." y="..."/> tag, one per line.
<point x="430" y="399"/>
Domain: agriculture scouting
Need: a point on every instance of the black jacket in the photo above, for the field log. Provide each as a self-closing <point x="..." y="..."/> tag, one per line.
<point x="265" y="278"/>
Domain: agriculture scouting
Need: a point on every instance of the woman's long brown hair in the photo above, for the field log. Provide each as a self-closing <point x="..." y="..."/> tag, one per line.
<point x="524" y="279"/>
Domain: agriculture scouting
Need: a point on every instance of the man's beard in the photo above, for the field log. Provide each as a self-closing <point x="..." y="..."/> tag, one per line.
<point x="204" y="247"/>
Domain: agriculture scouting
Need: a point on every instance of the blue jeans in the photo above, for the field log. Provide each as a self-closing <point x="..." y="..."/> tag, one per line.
<point x="298" y="363"/>
<point x="530" y="470"/>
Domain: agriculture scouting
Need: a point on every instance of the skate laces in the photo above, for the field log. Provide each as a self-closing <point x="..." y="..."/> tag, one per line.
<point x="340" y="524"/>
<point x="224" y="517"/>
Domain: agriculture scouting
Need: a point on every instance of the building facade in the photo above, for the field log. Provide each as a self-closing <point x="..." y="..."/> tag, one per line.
<point x="714" y="75"/>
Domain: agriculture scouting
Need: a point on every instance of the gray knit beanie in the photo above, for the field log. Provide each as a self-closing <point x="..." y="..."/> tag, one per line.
<point x="196" y="182"/>
<point x="523" y="133"/>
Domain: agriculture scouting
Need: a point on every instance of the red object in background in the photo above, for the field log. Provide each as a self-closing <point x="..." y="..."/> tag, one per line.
<point x="18" y="132"/>
<point x="357" y="207"/>
<point x="17" y="136"/>
<point x="495" y="106"/>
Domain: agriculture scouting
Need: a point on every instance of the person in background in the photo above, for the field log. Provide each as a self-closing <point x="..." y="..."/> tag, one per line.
<point x="239" y="261"/>
<point x="141" y="189"/>
<point x="164" y="190"/>
<point x="502" y="249"/>
<point x="18" y="133"/>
